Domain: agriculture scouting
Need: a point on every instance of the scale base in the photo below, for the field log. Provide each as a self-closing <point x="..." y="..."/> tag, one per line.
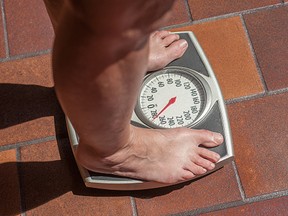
<point x="217" y="121"/>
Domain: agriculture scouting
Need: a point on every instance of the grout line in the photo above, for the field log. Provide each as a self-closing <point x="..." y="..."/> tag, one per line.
<point x="210" y="209"/>
<point x="23" y="208"/>
<point x="177" y="26"/>
<point x="268" y="7"/>
<point x="244" y="12"/>
<point x="18" y="155"/>
<point x="256" y="96"/>
<point x="26" y="55"/>
<point x="253" y="54"/>
<point x="277" y="91"/>
<point x="22" y="204"/>
<point x="265" y="197"/>
<point x="241" y="190"/>
<point x="5" y="32"/>
<point x="181" y="24"/>
<point x="223" y="206"/>
<point x="188" y="10"/>
<point x="215" y="18"/>
<point x="223" y="16"/>
<point x="26" y="143"/>
<point x="134" y="207"/>
<point x="245" y="98"/>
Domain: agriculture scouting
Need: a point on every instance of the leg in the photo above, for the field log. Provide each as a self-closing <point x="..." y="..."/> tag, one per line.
<point x="163" y="46"/>
<point x="54" y="8"/>
<point x="97" y="77"/>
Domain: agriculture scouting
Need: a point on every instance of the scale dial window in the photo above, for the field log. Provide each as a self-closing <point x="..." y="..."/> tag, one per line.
<point x="171" y="98"/>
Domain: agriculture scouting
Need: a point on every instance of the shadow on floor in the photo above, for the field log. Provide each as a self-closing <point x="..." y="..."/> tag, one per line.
<point x="41" y="182"/>
<point x="22" y="103"/>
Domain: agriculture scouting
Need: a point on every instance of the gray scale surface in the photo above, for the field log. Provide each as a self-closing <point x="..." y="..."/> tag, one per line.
<point x="215" y="120"/>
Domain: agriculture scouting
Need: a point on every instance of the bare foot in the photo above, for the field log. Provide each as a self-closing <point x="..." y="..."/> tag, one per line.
<point x="164" y="47"/>
<point x="166" y="156"/>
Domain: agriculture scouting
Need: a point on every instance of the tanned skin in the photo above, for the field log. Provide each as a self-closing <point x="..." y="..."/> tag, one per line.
<point x="101" y="53"/>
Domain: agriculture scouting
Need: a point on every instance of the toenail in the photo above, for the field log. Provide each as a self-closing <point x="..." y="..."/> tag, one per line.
<point x="183" y="43"/>
<point x="218" y="138"/>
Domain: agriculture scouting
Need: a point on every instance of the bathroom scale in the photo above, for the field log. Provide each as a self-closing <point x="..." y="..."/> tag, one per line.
<point x="183" y="94"/>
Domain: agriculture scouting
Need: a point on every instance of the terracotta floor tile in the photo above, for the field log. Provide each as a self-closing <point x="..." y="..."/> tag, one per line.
<point x="225" y="45"/>
<point x="203" y="9"/>
<point x="276" y="206"/>
<point x="52" y="185"/>
<point x="268" y="32"/>
<point x="28" y="25"/>
<point x="219" y="187"/>
<point x="179" y="14"/>
<point x="28" y="103"/>
<point x="259" y="129"/>
<point x="29" y="71"/>
<point x="2" y="43"/>
<point x="9" y="184"/>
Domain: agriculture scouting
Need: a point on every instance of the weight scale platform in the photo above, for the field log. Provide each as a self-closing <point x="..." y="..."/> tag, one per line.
<point x="205" y="110"/>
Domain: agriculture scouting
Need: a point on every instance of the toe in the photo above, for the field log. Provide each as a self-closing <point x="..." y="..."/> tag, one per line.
<point x="177" y="49"/>
<point x="196" y="169"/>
<point x="209" y="155"/>
<point x="207" y="138"/>
<point x="161" y="34"/>
<point x="204" y="163"/>
<point x="169" y="39"/>
<point x="187" y="175"/>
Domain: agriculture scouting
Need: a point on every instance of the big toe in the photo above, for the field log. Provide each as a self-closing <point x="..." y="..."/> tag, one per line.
<point x="176" y="49"/>
<point x="161" y="56"/>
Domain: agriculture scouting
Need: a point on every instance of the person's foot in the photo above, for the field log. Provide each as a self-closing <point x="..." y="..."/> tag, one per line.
<point x="165" y="156"/>
<point x="164" y="47"/>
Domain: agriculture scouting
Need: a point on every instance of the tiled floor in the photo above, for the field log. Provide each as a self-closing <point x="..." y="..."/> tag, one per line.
<point x="247" y="45"/>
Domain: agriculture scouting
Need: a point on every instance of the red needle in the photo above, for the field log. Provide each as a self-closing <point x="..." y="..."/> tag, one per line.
<point x="171" y="101"/>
